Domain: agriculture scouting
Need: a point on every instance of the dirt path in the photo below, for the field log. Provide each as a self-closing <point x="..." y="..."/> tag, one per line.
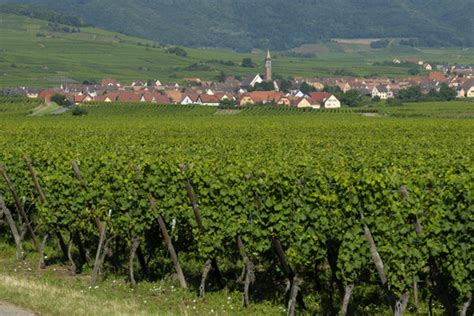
<point x="10" y="310"/>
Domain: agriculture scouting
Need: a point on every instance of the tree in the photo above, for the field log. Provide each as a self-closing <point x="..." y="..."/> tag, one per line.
<point x="306" y="88"/>
<point x="411" y="94"/>
<point x="247" y="63"/>
<point x="221" y="77"/>
<point x="333" y="89"/>
<point x="351" y="98"/>
<point x="60" y="99"/>
<point x="285" y="85"/>
<point x="263" y="86"/>
<point x="77" y="111"/>
<point x="227" y="104"/>
<point x="446" y="93"/>
<point x="178" y="51"/>
<point x="89" y="82"/>
<point x="413" y="71"/>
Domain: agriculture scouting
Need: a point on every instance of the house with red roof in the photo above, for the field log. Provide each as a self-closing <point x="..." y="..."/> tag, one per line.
<point x="46" y="95"/>
<point x="300" y="102"/>
<point x="126" y="96"/>
<point x="82" y="98"/>
<point x="437" y="76"/>
<point x="225" y="96"/>
<point x="174" y="95"/>
<point x="324" y="99"/>
<point x="158" y="98"/>
<point x="189" y="98"/>
<point x="260" y="97"/>
<point x="210" y="100"/>
<point x="110" y="83"/>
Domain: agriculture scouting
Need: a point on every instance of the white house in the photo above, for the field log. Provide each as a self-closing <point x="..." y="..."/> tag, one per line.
<point x="383" y="92"/>
<point x="470" y="92"/>
<point x="187" y="100"/>
<point x="323" y="99"/>
<point x="299" y="94"/>
<point x="252" y="80"/>
<point x="460" y="93"/>
<point x="332" y="103"/>
<point x="276" y="87"/>
<point x="210" y="100"/>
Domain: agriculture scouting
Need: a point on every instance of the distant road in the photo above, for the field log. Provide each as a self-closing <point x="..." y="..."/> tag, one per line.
<point x="10" y="310"/>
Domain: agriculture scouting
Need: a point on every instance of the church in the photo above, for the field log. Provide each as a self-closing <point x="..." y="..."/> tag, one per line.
<point x="252" y="80"/>
<point x="268" y="67"/>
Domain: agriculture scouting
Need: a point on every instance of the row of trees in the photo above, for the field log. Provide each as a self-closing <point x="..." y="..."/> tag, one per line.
<point x="414" y="94"/>
<point x="43" y="13"/>
<point x="54" y="27"/>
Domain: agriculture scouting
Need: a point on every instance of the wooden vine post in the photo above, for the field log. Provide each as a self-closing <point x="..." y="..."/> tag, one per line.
<point x="77" y="237"/>
<point x="169" y="243"/>
<point x="101" y="250"/>
<point x="293" y="280"/>
<point x="102" y="228"/>
<point x="347" y="297"/>
<point x="133" y="249"/>
<point x="69" y="255"/>
<point x="399" y="303"/>
<point x="212" y="262"/>
<point x="42" y="199"/>
<point x="20" y="207"/>
<point x="419" y="230"/>
<point x="13" y="228"/>
<point x="249" y="272"/>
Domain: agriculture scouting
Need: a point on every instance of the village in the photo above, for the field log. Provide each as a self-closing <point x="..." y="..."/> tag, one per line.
<point x="259" y="89"/>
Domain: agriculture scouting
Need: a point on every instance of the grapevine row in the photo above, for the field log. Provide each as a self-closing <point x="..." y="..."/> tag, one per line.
<point x="384" y="225"/>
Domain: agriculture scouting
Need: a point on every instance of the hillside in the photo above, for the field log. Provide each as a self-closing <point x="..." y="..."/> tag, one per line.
<point x="278" y="24"/>
<point x="35" y="54"/>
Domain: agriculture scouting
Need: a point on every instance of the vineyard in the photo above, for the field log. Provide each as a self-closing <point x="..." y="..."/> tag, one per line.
<point x="321" y="213"/>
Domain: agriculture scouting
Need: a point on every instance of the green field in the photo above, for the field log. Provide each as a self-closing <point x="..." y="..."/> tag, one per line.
<point x="31" y="55"/>
<point x="317" y="183"/>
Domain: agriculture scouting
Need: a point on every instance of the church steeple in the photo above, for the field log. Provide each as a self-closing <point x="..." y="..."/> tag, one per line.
<point x="268" y="67"/>
<point x="269" y="57"/>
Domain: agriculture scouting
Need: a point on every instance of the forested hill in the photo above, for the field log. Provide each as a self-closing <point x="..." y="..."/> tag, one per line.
<point x="279" y="24"/>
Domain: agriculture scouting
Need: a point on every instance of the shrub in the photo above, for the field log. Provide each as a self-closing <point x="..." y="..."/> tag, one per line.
<point x="60" y="99"/>
<point x="379" y="44"/>
<point x="227" y="104"/>
<point x="413" y="71"/>
<point x="178" y="51"/>
<point x="198" y="67"/>
<point x="77" y="111"/>
<point x="247" y="63"/>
